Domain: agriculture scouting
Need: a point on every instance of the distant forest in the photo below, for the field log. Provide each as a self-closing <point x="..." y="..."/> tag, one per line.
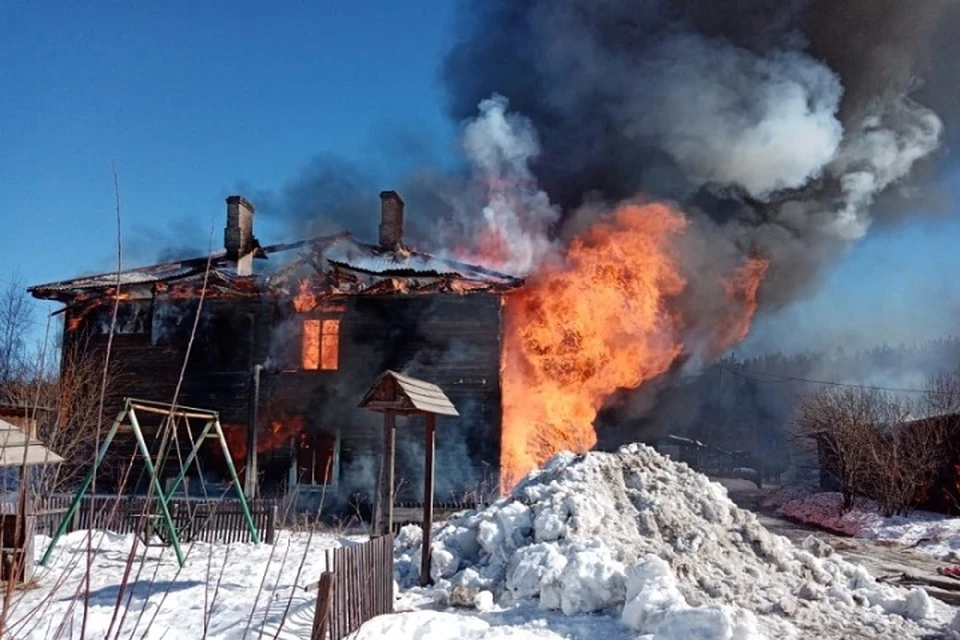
<point x="748" y="404"/>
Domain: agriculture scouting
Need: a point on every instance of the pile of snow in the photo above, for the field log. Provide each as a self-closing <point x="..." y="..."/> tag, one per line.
<point x="637" y="535"/>
<point x="933" y="534"/>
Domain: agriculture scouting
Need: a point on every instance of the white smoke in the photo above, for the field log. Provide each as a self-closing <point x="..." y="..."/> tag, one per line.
<point x="881" y="152"/>
<point x="781" y="122"/>
<point x="499" y="147"/>
<point x="730" y="116"/>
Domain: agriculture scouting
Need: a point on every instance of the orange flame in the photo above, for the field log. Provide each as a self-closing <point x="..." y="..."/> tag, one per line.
<point x="279" y="431"/>
<point x="743" y="287"/>
<point x="84" y="305"/>
<point x="579" y="331"/>
<point x="275" y="431"/>
<point x="310" y="345"/>
<point x="602" y="320"/>
<point x="320" y="345"/>
<point x="306" y="299"/>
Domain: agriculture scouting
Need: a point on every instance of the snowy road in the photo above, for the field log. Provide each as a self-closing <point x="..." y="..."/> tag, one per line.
<point x="882" y="559"/>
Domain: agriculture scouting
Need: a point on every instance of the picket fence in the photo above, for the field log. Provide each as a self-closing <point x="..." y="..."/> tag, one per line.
<point x="357" y="586"/>
<point x="195" y="519"/>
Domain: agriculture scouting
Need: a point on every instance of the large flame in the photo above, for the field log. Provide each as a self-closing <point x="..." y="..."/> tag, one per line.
<point x="583" y="329"/>
<point x="600" y="320"/>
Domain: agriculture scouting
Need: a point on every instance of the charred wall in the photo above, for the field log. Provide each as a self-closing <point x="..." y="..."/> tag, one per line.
<point x="151" y="339"/>
<point x="451" y="340"/>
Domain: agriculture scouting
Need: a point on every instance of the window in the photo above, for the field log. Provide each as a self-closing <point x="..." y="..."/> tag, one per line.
<point x="320" y="345"/>
<point x="316" y="458"/>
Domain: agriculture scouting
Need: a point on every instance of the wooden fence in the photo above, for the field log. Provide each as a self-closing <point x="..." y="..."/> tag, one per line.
<point x="405" y="513"/>
<point x="194" y="519"/>
<point x="357" y="586"/>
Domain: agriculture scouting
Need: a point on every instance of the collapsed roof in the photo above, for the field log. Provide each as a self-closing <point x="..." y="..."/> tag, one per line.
<point x="327" y="266"/>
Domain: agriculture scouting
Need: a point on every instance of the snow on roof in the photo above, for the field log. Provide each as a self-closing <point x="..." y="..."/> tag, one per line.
<point x="17" y="448"/>
<point x="141" y="275"/>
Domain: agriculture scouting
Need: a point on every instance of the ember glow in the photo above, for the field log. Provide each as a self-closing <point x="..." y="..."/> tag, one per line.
<point x="320" y="345"/>
<point x="310" y="345"/>
<point x="276" y="431"/>
<point x="83" y="306"/>
<point x="600" y="320"/>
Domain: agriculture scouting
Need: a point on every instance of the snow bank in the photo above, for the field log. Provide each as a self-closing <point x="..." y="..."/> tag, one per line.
<point x="437" y="625"/>
<point x="933" y="534"/>
<point x="655" y="606"/>
<point x="637" y="535"/>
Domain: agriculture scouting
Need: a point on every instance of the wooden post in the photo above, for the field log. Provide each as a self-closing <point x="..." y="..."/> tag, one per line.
<point x="387" y="470"/>
<point x="429" y="447"/>
<point x="321" y="617"/>
<point x="271" y="524"/>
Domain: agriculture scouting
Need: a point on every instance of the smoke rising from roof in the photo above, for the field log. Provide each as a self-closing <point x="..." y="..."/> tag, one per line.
<point x="776" y="125"/>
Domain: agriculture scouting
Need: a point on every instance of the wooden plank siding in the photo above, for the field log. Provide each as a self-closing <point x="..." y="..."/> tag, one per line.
<point x="450" y="340"/>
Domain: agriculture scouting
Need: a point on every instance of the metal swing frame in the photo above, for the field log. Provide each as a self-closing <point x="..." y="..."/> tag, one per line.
<point x="211" y="429"/>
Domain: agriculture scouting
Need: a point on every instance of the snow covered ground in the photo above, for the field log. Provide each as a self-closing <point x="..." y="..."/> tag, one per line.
<point x="933" y="534"/>
<point x="216" y="595"/>
<point x="613" y="545"/>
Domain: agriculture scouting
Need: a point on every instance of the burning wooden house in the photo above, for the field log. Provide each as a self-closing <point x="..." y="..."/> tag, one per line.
<point x="287" y="339"/>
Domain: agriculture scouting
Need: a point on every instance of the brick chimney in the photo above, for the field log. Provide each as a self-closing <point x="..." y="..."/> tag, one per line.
<point x="391" y="220"/>
<point x="238" y="237"/>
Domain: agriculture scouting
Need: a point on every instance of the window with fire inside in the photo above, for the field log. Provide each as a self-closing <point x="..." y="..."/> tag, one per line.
<point x="320" y="344"/>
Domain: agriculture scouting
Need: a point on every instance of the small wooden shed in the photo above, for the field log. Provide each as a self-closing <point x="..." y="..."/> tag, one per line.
<point x="19" y="451"/>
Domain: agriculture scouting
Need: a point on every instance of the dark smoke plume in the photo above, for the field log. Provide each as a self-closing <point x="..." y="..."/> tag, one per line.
<point x="776" y="124"/>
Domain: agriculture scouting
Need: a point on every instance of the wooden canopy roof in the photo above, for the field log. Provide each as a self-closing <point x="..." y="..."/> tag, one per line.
<point x="405" y="395"/>
<point x="17" y="448"/>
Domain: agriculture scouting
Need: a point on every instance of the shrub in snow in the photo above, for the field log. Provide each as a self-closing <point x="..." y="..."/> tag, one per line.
<point x="637" y="532"/>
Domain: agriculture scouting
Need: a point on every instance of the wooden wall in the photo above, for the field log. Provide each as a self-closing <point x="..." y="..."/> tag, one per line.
<point x="451" y="340"/>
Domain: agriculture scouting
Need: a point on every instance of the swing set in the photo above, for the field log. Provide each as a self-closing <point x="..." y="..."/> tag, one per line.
<point x="161" y="523"/>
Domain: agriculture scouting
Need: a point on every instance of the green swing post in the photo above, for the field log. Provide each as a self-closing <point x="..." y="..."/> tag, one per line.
<point x="254" y="536"/>
<point x="194" y="451"/>
<point x="87" y="481"/>
<point x="161" y="497"/>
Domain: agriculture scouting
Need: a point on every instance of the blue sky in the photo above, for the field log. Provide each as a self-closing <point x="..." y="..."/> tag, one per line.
<point x="194" y="101"/>
<point x="898" y="285"/>
<point x="191" y="101"/>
